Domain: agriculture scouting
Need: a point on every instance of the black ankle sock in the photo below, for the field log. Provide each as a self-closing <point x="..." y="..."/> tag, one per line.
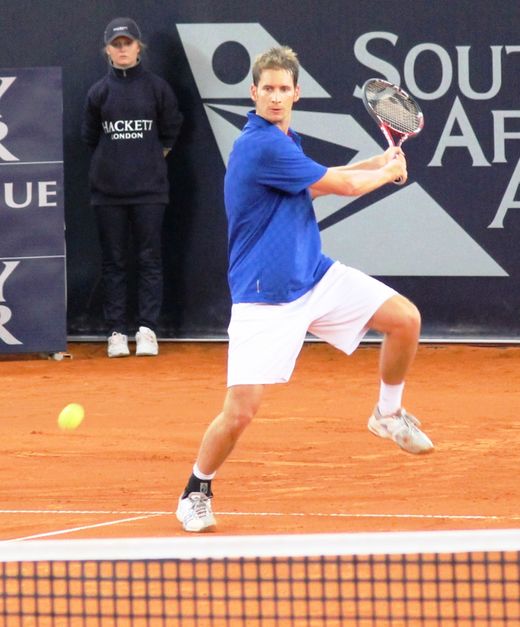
<point x="198" y="485"/>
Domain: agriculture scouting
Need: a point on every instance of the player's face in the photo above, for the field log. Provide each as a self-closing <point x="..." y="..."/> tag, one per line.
<point x="123" y="52"/>
<point x="274" y="97"/>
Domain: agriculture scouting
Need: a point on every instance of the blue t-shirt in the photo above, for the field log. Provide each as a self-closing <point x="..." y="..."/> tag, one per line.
<point x="274" y="240"/>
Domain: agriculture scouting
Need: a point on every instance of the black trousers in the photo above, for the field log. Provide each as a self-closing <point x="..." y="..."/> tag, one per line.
<point x="144" y="223"/>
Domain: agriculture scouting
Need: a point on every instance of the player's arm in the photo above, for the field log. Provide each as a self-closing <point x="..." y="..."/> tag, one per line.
<point x="362" y="177"/>
<point x="373" y="163"/>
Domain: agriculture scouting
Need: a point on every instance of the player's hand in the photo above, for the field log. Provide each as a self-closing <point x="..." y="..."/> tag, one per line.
<point x="393" y="153"/>
<point x="396" y="168"/>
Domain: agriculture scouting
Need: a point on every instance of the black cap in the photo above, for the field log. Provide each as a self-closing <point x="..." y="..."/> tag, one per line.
<point x="122" y="27"/>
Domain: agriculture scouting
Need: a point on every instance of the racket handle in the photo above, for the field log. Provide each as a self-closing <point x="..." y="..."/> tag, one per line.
<point x="399" y="181"/>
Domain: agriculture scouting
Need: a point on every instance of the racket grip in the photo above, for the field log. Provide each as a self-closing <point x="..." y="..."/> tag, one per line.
<point x="399" y="181"/>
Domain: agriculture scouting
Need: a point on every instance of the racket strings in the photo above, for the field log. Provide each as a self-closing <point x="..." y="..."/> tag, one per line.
<point x="394" y="109"/>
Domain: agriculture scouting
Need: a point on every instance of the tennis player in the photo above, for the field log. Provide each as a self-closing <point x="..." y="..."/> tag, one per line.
<point x="283" y="286"/>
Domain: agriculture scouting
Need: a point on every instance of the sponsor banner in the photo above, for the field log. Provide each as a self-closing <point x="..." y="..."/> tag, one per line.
<point x="32" y="247"/>
<point x="447" y="239"/>
<point x="32" y="305"/>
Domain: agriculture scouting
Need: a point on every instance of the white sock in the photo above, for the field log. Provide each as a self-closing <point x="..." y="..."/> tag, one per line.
<point x="390" y="398"/>
<point x="200" y="475"/>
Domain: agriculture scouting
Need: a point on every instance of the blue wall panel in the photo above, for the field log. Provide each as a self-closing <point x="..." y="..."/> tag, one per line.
<point x="448" y="239"/>
<point x="32" y="244"/>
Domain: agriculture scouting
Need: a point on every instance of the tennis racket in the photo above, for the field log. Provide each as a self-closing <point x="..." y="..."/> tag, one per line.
<point x="395" y="112"/>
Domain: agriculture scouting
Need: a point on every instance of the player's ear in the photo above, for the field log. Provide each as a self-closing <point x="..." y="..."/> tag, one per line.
<point x="296" y="93"/>
<point x="253" y="92"/>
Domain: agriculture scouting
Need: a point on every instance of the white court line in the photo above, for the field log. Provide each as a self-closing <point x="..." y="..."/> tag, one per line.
<point x="80" y="511"/>
<point x="332" y="515"/>
<point x="145" y="514"/>
<point x="82" y="528"/>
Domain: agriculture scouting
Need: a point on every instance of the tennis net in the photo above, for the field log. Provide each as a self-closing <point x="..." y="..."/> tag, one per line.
<point x="323" y="580"/>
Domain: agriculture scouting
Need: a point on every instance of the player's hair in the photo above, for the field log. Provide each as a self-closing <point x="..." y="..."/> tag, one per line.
<point x="282" y="58"/>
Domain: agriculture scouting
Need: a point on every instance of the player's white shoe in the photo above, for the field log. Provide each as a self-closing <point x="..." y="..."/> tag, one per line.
<point x="195" y="513"/>
<point x="402" y="428"/>
<point x="146" y="343"/>
<point x="118" y="345"/>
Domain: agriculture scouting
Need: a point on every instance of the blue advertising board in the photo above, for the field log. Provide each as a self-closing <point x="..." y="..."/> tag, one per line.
<point x="32" y="244"/>
<point x="448" y="239"/>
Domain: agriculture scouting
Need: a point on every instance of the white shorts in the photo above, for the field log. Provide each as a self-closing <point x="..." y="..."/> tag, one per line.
<point x="265" y="340"/>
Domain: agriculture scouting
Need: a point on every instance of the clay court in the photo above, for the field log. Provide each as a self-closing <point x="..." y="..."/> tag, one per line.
<point x="306" y="465"/>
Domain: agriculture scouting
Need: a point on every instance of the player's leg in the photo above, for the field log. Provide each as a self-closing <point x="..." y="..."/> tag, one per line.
<point x="347" y="303"/>
<point x="400" y="322"/>
<point x="264" y="343"/>
<point x="240" y="406"/>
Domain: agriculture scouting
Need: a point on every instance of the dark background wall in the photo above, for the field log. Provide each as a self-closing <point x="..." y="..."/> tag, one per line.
<point x="466" y="279"/>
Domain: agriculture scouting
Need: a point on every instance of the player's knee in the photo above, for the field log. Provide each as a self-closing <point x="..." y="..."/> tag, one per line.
<point x="401" y="317"/>
<point x="241" y="405"/>
<point x="240" y="414"/>
<point x="240" y="418"/>
<point x="410" y="319"/>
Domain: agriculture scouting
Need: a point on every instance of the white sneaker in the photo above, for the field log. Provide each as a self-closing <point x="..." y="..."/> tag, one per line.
<point x="402" y="428"/>
<point x="146" y="342"/>
<point x="195" y="514"/>
<point x="118" y="345"/>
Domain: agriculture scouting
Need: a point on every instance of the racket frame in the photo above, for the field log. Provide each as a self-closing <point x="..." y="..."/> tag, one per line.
<point x="387" y="129"/>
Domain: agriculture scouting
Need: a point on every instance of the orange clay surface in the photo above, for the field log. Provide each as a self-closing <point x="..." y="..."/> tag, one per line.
<point x="307" y="464"/>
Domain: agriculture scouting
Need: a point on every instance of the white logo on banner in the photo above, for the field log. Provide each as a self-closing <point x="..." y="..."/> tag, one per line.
<point x="5" y="155"/>
<point x="406" y="234"/>
<point x="5" y="311"/>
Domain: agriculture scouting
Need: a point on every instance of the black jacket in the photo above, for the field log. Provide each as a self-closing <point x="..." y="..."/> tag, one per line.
<point x="130" y="116"/>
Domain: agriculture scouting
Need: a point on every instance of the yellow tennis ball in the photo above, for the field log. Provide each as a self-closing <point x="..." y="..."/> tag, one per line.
<point x="71" y="416"/>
